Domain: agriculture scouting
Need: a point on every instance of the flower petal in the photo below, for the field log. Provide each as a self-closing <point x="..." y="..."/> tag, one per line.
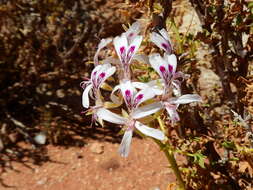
<point x="114" y="98"/>
<point x="156" y="61"/>
<point x="165" y="34"/>
<point x="172" y="61"/>
<point x="95" y="70"/>
<point x="119" y="42"/>
<point x="185" y="99"/>
<point x="141" y="58"/>
<point x="128" y="92"/>
<point x="133" y="31"/>
<point x="173" y="114"/>
<point x="135" y="44"/>
<point x="176" y="87"/>
<point x="147" y="110"/>
<point x="161" y="40"/>
<point x="156" y="86"/>
<point x="103" y="43"/>
<point x="111" y="60"/>
<point x="109" y="116"/>
<point x="172" y="111"/>
<point x="85" y="96"/>
<point x="124" y="147"/>
<point x="148" y="131"/>
<point x="143" y="95"/>
<point x="140" y="85"/>
<point x="109" y="71"/>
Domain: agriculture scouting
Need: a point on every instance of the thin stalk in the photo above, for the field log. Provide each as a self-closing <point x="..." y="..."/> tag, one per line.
<point x="166" y="148"/>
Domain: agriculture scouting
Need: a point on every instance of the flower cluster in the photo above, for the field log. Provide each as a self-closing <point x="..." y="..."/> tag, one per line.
<point x="140" y="99"/>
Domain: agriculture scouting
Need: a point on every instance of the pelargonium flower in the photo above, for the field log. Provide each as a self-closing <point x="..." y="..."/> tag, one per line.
<point x="131" y="124"/>
<point x="172" y="104"/>
<point x="133" y="31"/>
<point x="99" y="74"/>
<point x="166" y="68"/>
<point x="103" y="43"/>
<point x="133" y="99"/>
<point x="126" y="50"/>
<point x="162" y="40"/>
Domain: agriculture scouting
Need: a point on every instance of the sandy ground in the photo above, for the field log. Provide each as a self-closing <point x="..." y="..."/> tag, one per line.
<point x="96" y="166"/>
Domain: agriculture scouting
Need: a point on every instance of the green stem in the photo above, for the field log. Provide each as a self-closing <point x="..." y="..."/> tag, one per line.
<point x="166" y="148"/>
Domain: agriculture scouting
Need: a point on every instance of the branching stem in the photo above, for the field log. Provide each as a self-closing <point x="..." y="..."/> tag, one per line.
<point x="168" y="151"/>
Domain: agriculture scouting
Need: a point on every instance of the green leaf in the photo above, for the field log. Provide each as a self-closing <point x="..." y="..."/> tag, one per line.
<point x="229" y="145"/>
<point x="198" y="158"/>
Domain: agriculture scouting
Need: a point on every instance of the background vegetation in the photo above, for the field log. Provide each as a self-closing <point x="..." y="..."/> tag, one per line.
<point x="45" y="49"/>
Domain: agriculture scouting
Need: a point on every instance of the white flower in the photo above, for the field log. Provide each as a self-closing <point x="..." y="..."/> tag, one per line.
<point x="166" y="68"/>
<point x="172" y="104"/>
<point x="133" y="31"/>
<point x="126" y="50"/>
<point x="131" y="123"/>
<point x="99" y="74"/>
<point x="133" y="99"/>
<point x="150" y="89"/>
<point x="103" y="43"/>
<point x="162" y="40"/>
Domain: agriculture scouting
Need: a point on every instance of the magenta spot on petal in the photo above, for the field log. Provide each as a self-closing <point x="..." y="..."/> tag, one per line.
<point x="162" y="69"/>
<point x="122" y="49"/>
<point x="132" y="48"/>
<point x="94" y="74"/>
<point x="139" y="97"/>
<point x="127" y="93"/>
<point x="102" y="75"/>
<point x="131" y="34"/>
<point x="165" y="46"/>
<point x="170" y="68"/>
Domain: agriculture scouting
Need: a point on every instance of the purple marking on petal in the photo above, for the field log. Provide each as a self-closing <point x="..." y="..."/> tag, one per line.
<point x="102" y="75"/>
<point x="127" y="93"/>
<point x="128" y="98"/>
<point x="122" y="49"/>
<point x="93" y="77"/>
<point x="138" y="99"/>
<point x="170" y="68"/>
<point x="140" y="96"/>
<point x="131" y="34"/>
<point x="99" y="80"/>
<point x="162" y="69"/>
<point x="165" y="46"/>
<point x="94" y="74"/>
<point x="132" y="48"/>
<point x="165" y="73"/>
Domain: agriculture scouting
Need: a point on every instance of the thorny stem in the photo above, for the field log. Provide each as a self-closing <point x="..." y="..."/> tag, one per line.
<point x="166" y="148"/>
